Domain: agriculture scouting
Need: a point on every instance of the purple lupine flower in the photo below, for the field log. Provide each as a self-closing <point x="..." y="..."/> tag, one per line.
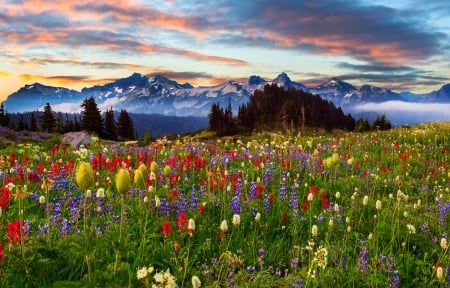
<point x="238" y="191"/>
<point x="425" y="228"/>
<point x="266" y="177"/>
<point x="26" y="227"/>
<point x="297" y="284"/>
<point x="364" y="252"/>
<point x="164" y="207"/>
<point x="193" y="203"/>
<point x="266" y="202"/>
<point x="252" y="193"/>
<point x="282" y="192"/>
<point x="181" y="205"/>
<point x="235" y="205"/>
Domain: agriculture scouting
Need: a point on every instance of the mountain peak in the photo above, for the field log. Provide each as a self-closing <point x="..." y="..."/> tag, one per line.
<point x="282" y="78"/>
<point x="256" y="80"/>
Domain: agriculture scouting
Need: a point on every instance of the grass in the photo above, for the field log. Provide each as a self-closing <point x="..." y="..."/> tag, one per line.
<point x="273" y="210"/>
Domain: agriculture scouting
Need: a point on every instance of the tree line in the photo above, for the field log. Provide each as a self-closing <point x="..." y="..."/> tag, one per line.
<point x="90" y="120"/>
<point x="277" y="108"/>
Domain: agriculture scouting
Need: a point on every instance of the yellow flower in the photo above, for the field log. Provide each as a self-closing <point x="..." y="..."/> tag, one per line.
<point x="123" y="181"/>
<point x="143" y="169"/>
<point x="154" y="167"/>
<point x="167" y="171"/>
<point x="47" y="184"/>
<point x="139" y="178"/>
<point x="85" y="176"/>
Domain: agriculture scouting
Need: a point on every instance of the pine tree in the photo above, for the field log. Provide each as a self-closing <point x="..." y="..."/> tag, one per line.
<point x="110" y="125"/>
<point x="48" y="121"/>
<point x="4" y="117"/>
<point x="91" y="118"/>
<point x="125" y="126"/>
<point x="22" y="125"/>
<point x="33" y="122"/>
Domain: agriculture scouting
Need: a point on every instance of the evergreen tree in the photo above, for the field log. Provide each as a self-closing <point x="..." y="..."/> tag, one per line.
<point x="4" y="117"/>
<point x="33" y="122"/>
<point x="48" y="121"/>
<point x="22" y="125"/>
<point x="110" y="125"/>
<point x="91" y="118"/>
<point x="381" y="123"/>
<point x="362" y="125"/>
<point x="125" y="126"/>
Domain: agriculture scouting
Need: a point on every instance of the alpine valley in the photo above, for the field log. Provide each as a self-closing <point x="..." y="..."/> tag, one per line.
<point x="140" y="94"/>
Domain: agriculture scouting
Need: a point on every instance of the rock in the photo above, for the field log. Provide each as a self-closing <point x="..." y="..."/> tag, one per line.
<point x="75" y="139"/>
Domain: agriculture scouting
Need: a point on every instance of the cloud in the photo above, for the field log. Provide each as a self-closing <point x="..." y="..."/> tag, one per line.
<point x="4" y="74"/>
<point x="333" y="27"/>
<point x="67" y="108"/>
<point x="400" y="113"/>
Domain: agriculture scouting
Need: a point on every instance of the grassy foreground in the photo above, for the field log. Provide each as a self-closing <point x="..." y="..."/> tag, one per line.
<point x="344" y="210"/>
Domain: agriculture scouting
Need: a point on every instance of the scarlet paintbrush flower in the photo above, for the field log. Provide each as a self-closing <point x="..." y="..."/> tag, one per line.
<point x="182" y="221"/>
<point x="13" y="232"/>
<point x="166" y="229"/>
<point x="4" y="197"/>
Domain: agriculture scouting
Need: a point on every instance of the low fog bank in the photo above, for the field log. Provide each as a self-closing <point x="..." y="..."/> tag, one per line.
<point x="402" y="113"/>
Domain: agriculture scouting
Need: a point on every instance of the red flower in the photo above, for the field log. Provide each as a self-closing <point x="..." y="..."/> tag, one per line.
<point x="313" y="190"/>
<point x="13" y="232"/>
<point x="4" y="198"/>
<point x="304" y="206"/>
<point x="182" y="221"/>
<point x="285" y="218"/>
<point x="271" y="199"/>
<point x="166" y="229"/>
<point x="259" y="190"/>
<point x="438" y="264"/>
<point x="202" y="209"/>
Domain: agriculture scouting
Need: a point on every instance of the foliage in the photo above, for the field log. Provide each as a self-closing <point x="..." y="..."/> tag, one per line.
<point x="343" y="210"/>
<point x="125" y="126"/>
<point x="91" y="120"/>
<point x="47" y="119"/>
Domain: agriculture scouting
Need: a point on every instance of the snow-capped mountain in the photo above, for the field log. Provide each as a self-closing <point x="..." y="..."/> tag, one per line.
<point x="33" y="97"/>
<point x="160" y="95"/>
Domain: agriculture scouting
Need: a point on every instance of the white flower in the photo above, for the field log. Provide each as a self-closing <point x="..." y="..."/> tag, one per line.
<point x="196" y="282"/>
<point x="439" y="273"/>
<point x="101" y="192"/>
<point x="191" y="224"/>
<point x="236" y="219"/>
<point x="365" y="200"/>
<point x="411" y="228"/>
<point x="310" y="197"/>
<point x="157" y="201"/>
<point x="88" y="193"/>
<point x="378" y="205"/>
<point x="42" y="200"/>
<point x="258" y="217"/>
<point x="224" y="226"/>
<point x="314" y="230"/>
<point x="338" y="195"/>
<point x="444" y="243"/>
<point x="142" y="273"/>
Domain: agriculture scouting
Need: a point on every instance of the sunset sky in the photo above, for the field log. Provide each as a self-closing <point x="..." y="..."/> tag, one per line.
<point x="402" y="45"/>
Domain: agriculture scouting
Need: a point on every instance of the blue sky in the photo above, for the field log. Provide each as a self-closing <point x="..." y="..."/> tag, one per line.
<point x="402" y="45"/>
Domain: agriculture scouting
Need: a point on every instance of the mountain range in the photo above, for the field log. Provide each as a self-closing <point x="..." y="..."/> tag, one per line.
<point x="160" y="95"/>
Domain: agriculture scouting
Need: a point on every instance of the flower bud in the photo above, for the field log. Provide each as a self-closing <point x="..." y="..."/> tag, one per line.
<point x="84" y="176"/>
<point x="167" y="171"/>
<point x="123" y="181"/>
<point x="154" y="167"/>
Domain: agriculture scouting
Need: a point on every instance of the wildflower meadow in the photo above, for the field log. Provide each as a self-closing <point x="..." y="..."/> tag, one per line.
<point x="268" y="210"/>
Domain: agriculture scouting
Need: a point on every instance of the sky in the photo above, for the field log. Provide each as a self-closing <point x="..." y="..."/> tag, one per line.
<point x="403" y="45"/>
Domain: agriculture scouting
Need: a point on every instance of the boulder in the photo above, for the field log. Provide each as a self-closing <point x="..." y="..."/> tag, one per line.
<point x="75" y="139"/>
